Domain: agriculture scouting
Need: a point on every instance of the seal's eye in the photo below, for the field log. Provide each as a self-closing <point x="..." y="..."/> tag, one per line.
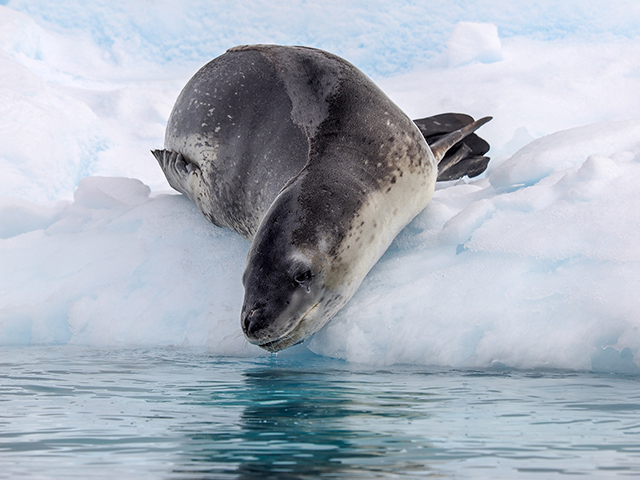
<point x="303" y="278"/>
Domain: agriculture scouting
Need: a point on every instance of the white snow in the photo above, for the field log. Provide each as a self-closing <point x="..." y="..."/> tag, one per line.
<point x="535" y="264"/>
<point x="471" y="42"/>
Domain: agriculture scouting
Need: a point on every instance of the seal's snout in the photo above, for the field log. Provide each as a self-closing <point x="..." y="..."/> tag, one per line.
<point x="252" y="321"/>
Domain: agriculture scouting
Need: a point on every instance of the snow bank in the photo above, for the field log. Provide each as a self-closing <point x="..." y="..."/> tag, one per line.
<point x="117" y="267"/>
<point x="526" y="274"/>
<point x="533" y="265"/>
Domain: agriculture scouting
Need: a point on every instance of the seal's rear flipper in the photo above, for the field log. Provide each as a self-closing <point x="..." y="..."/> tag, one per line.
<point x="439" y="125"/>
<point x="472" y="166"/>
<point x="178" y="170"/>
<point x="459" y="152"/>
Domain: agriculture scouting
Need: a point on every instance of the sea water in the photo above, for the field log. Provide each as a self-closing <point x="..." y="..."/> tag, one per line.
<point x="183" y="413"/>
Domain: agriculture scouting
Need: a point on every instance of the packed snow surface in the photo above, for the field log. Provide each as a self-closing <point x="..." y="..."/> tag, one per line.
<point x="534" y="264"/>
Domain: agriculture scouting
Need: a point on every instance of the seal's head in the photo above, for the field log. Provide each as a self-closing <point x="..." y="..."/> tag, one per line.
<point x="286" y="296"/>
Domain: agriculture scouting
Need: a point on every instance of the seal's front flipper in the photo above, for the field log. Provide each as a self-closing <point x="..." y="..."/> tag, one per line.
<point x="459" y="152"/>
<point x="187" y="178"/>
<point x="178" y="170"/>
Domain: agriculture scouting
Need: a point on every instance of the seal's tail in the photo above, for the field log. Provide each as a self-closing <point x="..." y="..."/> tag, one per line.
<point x="457" y="149"/>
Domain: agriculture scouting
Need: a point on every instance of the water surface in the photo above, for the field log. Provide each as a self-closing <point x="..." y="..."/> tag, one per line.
<point x="184" y="414"/>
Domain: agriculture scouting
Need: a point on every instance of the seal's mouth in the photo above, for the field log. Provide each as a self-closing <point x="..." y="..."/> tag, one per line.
<point x="289" y="339"/>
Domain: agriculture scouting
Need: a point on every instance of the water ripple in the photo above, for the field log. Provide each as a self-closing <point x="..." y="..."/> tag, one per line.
<point x="185" y="414"/>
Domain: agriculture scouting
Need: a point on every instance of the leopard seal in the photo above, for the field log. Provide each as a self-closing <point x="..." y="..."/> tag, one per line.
<point x="302" y="154"/>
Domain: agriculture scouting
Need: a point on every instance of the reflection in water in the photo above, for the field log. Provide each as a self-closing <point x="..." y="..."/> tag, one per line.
<point x="183" y="414"/>
<point x="303" y="422"/>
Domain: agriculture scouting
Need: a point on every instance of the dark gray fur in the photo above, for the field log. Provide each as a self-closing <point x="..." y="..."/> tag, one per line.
<point x="277" y="109"/>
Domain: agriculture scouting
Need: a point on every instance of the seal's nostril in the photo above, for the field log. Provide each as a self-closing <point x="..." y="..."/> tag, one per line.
<point x="246" y="322"/>
<point x="251" y="321"/>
